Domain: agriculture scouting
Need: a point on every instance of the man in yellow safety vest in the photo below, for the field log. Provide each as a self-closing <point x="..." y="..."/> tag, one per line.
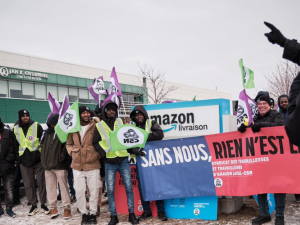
<point x="114" y="161"/>
<point x="28" y="134"/>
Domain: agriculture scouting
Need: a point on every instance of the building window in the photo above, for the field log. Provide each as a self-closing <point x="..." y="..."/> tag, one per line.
<point x="15" y="90"/>
<point x="62" y="91"/>
<point x="73" y="94"/>
<point x="52" y="90"/>
<point x="40" y="91"/>
<point x="3" y="89"/>
<point x="84" y="96"/>
<point x="27" y="91"/>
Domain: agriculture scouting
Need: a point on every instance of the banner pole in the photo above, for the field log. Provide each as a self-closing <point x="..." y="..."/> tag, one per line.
<point x="123" y="106"/>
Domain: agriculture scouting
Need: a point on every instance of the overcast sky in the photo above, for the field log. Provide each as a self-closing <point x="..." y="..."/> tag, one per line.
<point x="197" y="43"/>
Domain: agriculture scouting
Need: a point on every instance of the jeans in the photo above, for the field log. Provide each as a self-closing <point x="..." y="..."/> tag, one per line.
<point x="110" y="177"/>
<point x="160" y="204"/>
<point x="71" y="179"/>
<point x="279" y="204"/>
<point x="8" y="181"/>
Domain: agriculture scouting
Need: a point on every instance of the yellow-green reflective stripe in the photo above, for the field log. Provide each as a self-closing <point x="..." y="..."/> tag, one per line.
<point x="33" y="136"/>
<point x="119" y="122"/>
<point x="19" y="138"/>
<point x="105" y="137"/>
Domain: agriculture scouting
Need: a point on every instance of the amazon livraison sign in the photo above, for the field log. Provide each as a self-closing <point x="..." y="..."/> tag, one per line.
<point x="189" y="119"/>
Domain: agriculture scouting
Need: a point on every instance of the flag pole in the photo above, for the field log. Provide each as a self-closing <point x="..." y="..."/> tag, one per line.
<point x="123" y="106"/>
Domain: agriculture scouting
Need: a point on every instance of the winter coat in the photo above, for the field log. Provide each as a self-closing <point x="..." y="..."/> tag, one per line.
<point x="270" y="119"/>
<point x="54" y="154"/>
<point x="84" y="156"/>
<point x="30" y="158"/>
<point x="156" y="132"/>
<point x="292" y="52"/>
<point x="8" y="150"/>
<point x="97" y="137"/>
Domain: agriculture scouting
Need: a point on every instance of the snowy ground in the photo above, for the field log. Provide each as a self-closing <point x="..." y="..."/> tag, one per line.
<point x="244" y="216"/>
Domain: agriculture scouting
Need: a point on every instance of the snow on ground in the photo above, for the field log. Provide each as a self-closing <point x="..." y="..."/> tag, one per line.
<point x="244" y="216"/>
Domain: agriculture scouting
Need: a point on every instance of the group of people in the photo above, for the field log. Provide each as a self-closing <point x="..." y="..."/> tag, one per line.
<point x="288" y="116"/>
<point x="87" y="153"/>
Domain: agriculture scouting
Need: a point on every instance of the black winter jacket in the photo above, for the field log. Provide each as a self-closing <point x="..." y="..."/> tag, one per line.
<point x="8" y="151"/>
<point x="97" y="137"/>
<point x="54" y="154"/>
<point x="30" y="158"/>
<point x="270" y="119"/>
<point x="292" y="52"/>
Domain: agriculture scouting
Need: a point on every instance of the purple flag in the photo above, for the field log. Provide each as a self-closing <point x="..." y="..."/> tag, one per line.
<point x="246" y="109"/>
<point x="64" y="106"/>
<point x="114" y="98"/>
<point x="114" y="86"/>
<point x="97" y="88"/>
<point x="168" y="102"/>
<point x="53" y="103"/>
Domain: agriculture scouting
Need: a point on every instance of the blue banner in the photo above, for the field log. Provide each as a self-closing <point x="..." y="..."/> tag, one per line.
<point x="184" y="169"/>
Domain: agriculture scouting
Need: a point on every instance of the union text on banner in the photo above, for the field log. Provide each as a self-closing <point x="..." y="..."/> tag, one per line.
<point x="68" y="123"/>
<point x="228" y="164"/>
<point x="127" y="136"/>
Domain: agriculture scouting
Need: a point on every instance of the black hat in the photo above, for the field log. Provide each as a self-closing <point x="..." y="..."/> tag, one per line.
<point x="260" y="93"/>
<point x="265" y="98"/>
<point x="53" y="119"/>
<point x="272" y="101"/>
<point x="22" y="112"/>
<point x="84" y="108"/>
<point x="111" y="106"/>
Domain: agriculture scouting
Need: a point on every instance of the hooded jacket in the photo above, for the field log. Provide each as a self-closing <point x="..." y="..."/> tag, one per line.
<point x="292" y="53"/>
<point x="156" y="131"/>
<point x="54" y="154"/>
<point x="8" y="150"/>
<point x="84" y="156"/>
<point x="282" y="111"/>
<point x="97" y="137"/>
<point x="30" y="158"/>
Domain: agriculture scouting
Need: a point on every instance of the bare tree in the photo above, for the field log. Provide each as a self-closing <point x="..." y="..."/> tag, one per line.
<point x="279" y="82"/>
<point x="156" y="83"/>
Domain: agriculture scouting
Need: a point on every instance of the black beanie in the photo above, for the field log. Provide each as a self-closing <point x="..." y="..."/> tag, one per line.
<point x="53" y="119"/>
<point x="22" y="112"/>
<point x="265" y="98"/>
<point x="111" y="106"/>
<point x="84" y="108"/>
<point x="260" y="93"/>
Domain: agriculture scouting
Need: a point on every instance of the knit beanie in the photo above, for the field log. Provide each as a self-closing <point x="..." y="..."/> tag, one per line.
<point x="22" y="112"/>
<point x="111" y="106"/>
<point x="84" y="108"/>
<point x="265" y="98"/>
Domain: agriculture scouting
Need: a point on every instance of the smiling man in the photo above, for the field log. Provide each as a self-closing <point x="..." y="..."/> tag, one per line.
<point x="268" y="118"/>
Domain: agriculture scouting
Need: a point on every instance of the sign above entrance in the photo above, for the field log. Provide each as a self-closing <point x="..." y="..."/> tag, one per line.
<point x="22" y="74"/>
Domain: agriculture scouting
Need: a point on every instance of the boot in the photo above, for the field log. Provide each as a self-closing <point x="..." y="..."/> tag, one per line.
<point x="261" y="220"/>
<point x="10" y="213"/>
<point x="113" y="220"/>
<point x="133" y="219"/>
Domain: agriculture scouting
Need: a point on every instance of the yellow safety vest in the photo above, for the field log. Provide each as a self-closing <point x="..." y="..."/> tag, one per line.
<point x="30" y="141"/>
<point x="104" y="131"/>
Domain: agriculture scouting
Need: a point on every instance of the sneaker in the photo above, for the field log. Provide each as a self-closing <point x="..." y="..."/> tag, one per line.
<point x="73" y="198"/>
<point x="10" y="213"/>
<point x="34" y="209"/>
<point x="145" y="215"/>
<point x="85" y="219"/>
<point x="162" y="216"/>
<point x="279" y="220"/>
<point x="59" y="197"/>
<point x="93" y="219"/>
<point x="53" y="213"/>
<point x="45" y="209"/>
<point x="98" y="211"/>
<point x="1" y="211"/>
<point x="132" y="219"/>
<point x="261" y="220"/>
<point x="67" y="213"/>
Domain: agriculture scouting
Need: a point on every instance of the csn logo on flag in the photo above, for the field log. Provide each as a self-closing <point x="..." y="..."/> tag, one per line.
<point x="130" y="136"/>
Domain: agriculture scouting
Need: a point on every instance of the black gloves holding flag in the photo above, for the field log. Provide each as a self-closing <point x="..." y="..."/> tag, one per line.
<point x="275" y="36"/>
<point x="138" y="151"/>
<point x="244" y="125"/>
<point x="255" y="127"/>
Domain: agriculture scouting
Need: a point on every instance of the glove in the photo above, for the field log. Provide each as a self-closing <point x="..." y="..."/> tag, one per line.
<point x="275" y="36"/>
<point x="138" y="151"/>
<point x="255" y="127"/>
<point x="242" y="128"/>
